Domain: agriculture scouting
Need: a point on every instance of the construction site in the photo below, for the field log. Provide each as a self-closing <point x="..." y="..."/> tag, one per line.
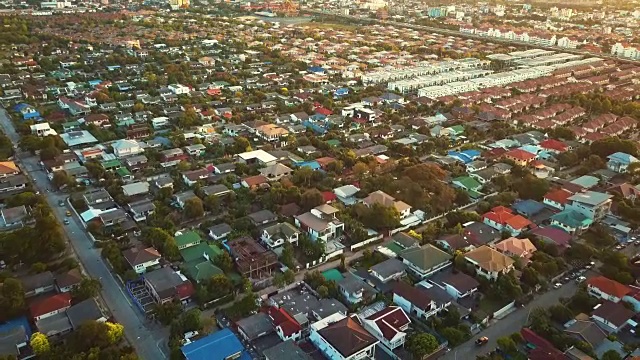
<point x="252" y="260"/>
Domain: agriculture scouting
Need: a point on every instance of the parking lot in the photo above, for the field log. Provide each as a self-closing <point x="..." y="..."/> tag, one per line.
<point x="141" y="295"/>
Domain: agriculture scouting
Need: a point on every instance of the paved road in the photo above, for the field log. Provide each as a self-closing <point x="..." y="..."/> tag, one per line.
<point x="510" y="324"/>
<point x="147" y="338"/>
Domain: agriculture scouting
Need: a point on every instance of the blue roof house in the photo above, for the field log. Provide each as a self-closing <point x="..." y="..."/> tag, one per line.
<point x="313" y="165"/>
<point x="14" y="336"/>
<point x="619" y="162"/>
<point x="316" y="70"/>
<point x="27" y="111"/>
<point x="465" y="156"/>
<point x="94" y="83"/>
<point x="220" y="345"/>
<point x="340" y="93"/>
<point x="528" y="207"/>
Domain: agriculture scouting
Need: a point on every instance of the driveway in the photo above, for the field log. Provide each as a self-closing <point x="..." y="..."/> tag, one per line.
<point x="146" y="337"/>
<point x="510" y="324"/>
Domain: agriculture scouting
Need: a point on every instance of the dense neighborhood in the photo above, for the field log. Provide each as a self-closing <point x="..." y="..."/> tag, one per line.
<point x="206" y="184"/>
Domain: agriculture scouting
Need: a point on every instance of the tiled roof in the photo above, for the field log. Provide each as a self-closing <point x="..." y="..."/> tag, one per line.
<point x="489" y="259"/>
<point x="347" y="336"/>
<point x="49" y="304"/>
<point x="609" y="286"/>
<point x="560" y="196"/>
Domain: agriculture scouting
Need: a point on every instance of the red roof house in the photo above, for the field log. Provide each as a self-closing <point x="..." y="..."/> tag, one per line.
<point x="49" y="306"/>
<point x="553" y="145"/>
<point x="607" y="289"/>
<point x="388" y="325"/>
<point x="286" y="326"/>
<point x="520" y="157"/>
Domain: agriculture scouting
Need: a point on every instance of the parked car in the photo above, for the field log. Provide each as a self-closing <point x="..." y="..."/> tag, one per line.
<point x="68" y="213"/>
<point x="557" y="285"/>
<point x="482" y="341"/>
<point x="61" y="203"/>
<point x="581" y="279"/>
<point x="66" y="221"/>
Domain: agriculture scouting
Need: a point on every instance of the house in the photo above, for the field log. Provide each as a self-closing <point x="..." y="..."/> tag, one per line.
<point x="220" y="231"/>
<point x="626" y="191"/>
<point x="586" y="331"/>
<point x="453" y="242"/>
<point x="416" y="301"/>
<point x="517" y="248"/>
<point x="66" y="281"/>
<point x="216" y="190"/>
<point x="38" y="283"/>
<point x="389" y="326"/>
<point x="339" y="337"/>
<point x="165" y="285"/>
<point x="321" y="223"/>
<point x="381" y="198"/>
<point x="225" y="168"/>
<point x="346" y="194"/>
<point x="457" y="284"/>
<point x="181" y="199"/>
<point x="195" y="150"/>
<point x="502" y="218"/>
<point x="262" y="217"/>
<point x="123" y="148"/>
<point x="113" y="217"/>
<point x="520" y="157"/>
<point x="388" y="270"/>
<point x="86" y="310"/>
<point x="259" y="157"/>
<point x="276" y="172"/>
<point x="571" y="221"/>
<point x="192" y="177"/>
<point x="255" y="326"/>
<point x="478" y="233"/>
<point x="287" y="350"/>
<point x="612" y="317"/>
<point x="253" y="182"/>
<point x="557" y="198"/>
<point x="42" y="130"/>
<point x="277" y="235"/>
<point x="425" y="261"/>
<point x="619" y="161"/>
<point x="49" y="306"/>
<point x="593" y="205"/>
<point x="187" y="239"/>
<point x="251" y="259"/>
<point x="142" y="259"/>
<point x="136" y="188"/>
<point x="140" y="209"/>
<point x="14" y="339"/>
<point x="488" y="262"/>
<point x="8" y="168"/>
<point x="220" y="345"/>
<point x="607" y="289"/>
<point x="15" y="216"/>
<point x="354" y="289"/>
<point x="287" y="328"/>
<point x="469" y="184"/>
<point x="544" y="349"/>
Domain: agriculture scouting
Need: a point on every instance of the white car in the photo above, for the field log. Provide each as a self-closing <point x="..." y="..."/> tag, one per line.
<point x="557" y="285"/>
<point x="581" y="279"/>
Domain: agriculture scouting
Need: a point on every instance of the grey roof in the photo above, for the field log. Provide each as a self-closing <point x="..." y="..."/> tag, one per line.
<point x="113" y="215"/>
<point x="329" y="307"/>
<point x="426" y="257"/>
<point x="284" y="228"/>
<point x="36" y="281"/>
<point x="53" y="325"/>
<point x="220" y="229"/>
<point x="261" y="216"/>
<point x="438" y="295"/>
<point x="295" y="302"/>
<point x="215" y="190"/>
<point x="405" y="240"/>
<point x="10" y="338"/>
<point x="352" y="284"/>
<point x="590" y="197"/>
<point x="256" y="325"/>
<point x="287" y="350"/>
<point x="389" y="267"/>
<point x="142" y="206"/>
<point x="164" y="281"/>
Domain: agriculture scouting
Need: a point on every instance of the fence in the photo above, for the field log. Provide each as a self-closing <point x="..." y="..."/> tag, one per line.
<point x="505" y="310"/>
<point x="366" y="242"/>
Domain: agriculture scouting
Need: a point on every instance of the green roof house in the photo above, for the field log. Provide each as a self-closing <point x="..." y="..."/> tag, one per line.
<point x="471" y="185"/>
<point x="200" y="271"/>
<point x="571" y="221"/>
<point x="426" y="260"/>
<point x="114" y="164"/>
<point x="198" y="261"/>
<point x="188" y="239"/>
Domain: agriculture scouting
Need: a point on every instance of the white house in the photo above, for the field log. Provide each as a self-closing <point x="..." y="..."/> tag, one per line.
<point x="416" y="301"/>
<point x="592" y="204"/>
<point x="179" y="89"/>
<point x="142" y="259"/>
<point x="389" y="326"/>
<point x="42" y="130"/>
<point x="488" y="262"/>
<point x="607" y="289"/>
<point x="339" y="337"/>
<point x="124" y="147"/>
<point x="277" y="235"/>
<point x="321" y="223"/>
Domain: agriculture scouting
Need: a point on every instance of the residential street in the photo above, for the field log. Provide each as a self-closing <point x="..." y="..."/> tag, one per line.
<point x="510" y="324"/>
<point x="146" y="337"/>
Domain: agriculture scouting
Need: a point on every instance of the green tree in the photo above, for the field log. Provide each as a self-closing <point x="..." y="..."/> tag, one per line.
<point x="88" y="288"/>
<point x="611" y="355"/>
<point x="310" y="199"/>
<point x="224" y="262"/>
<point x="61" y="178"/>
<point x="12" y="301"/>
<point x="453" y="335"/>
<point x="323" y="291"/>
<point x="39" y="343"/>
<point x="167" y="312"/>
<point x="507" y="345"/>
<point x="193" y="208"/>
<point x="421" y="344"/>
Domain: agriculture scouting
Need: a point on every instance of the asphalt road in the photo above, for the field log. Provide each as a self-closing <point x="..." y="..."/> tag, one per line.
<point x="147" y="338"/>
<point x="510" y="324"/>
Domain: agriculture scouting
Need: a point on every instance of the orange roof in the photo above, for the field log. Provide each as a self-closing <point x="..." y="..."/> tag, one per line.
<point x="560" y="196"/>
<point x="609" y="286"/>
<point x="520" y="154"/>
<point x="8" y="167"/>
<point x="518" y="222"/>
